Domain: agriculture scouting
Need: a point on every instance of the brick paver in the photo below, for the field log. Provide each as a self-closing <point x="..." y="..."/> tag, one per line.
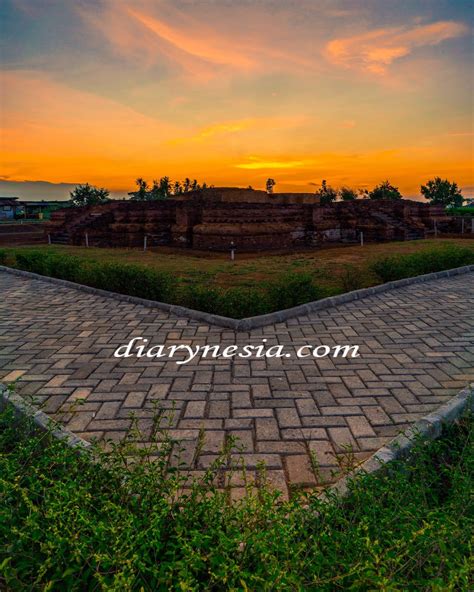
<point x="416" y="346"/>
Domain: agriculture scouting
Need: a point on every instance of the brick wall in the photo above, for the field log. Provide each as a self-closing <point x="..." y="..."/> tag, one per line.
<point x="252" y="220"/>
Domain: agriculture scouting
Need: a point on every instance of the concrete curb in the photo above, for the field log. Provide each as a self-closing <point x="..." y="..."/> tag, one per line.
<point x="427" y="428"/>
<point x="251" y="322"/>
<point x="41" y="420"/>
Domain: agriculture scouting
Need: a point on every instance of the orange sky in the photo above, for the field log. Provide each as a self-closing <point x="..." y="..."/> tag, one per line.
<point x="232" y="94"/>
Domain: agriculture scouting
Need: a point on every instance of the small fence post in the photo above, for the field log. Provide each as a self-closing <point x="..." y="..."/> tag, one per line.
<point x="462" y="225"/>
<point x="232" y="251"/>
<point x="145" y="242"/>
<point x="472" y="225"/>
<point x="87" y="239"/>
<point x="361" y="238"/>
<point x="49" y="239"/>
<point x="436" y="229"/>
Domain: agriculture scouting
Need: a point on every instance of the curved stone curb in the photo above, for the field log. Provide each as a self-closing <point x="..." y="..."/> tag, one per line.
<point x="427" y="428"/>
<point x="41" y="420"/>
<point x="250" y="322"/>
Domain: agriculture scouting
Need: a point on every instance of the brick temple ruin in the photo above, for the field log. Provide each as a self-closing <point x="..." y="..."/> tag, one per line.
<point x="253" y="220"/>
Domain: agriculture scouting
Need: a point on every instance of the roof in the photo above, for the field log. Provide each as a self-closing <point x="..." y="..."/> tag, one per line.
<point x="9" y="201"/>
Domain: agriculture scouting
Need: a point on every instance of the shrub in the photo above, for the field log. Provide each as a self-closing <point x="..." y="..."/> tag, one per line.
<point x="351" y="278"/>
<point x="292" y="289"/>
<point x="396" y="267"/>
<point x="115" y="277"/>
<point x="129" y="279"/>
<point x="3" y="257"/>
<point x="34" y="261"/>
<point x="68" y="524"/>
<point x="201" y="298"/>
<point x="243" y="302"/>
<point x="65" y="268"/>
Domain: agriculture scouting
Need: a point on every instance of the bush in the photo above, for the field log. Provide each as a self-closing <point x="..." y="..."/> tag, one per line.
<point x="241" y="303"/>
<point x="68" y="524"/>
<point x="292" y="289"/>
<point x="351" y="278"/>
<point x="34" y="261"/>
<point x="115" y="277"/>
<point x="396" y="267"/>
<point x="3" y="257"/>
<point x="201" y="298"/>
<point x="129" y="279"/>
<point x="65" y="268"/>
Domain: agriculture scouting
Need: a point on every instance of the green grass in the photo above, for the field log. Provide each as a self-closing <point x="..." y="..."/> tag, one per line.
<point x="326" y="265"/>
<point x="299" y="279"/>
<point x="68" y="524"/>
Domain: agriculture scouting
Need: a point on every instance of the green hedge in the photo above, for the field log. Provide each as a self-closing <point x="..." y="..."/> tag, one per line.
<point x="68" y="525"/>
<point x="396" y="267"/>
<point x="290" y="289"/>
<point x="134" y="280"/>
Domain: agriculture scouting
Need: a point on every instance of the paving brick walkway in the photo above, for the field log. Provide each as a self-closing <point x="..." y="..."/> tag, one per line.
<point x="416" y="346"/>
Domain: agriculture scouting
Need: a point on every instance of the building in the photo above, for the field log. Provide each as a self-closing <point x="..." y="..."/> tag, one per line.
<point x="10" y="208"/>
<point x="214" y="218"/>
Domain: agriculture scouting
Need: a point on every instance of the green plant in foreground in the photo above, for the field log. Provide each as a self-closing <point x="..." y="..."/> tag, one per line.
<point x="119" y="524"/>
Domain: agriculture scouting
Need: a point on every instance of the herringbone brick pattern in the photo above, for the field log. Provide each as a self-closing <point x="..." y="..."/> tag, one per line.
<point x="416" y="346"/>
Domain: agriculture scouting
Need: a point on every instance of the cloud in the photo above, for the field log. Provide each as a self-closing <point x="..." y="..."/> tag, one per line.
<point x="210" y="48"/>
<point x="257" y="164"/>
<point x="258" y="124"/>
<point x="375" y="50"/>
<point x="201" y="46"/>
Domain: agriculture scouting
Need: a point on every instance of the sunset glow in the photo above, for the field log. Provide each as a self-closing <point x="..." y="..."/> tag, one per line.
<point x="232" y="93"/>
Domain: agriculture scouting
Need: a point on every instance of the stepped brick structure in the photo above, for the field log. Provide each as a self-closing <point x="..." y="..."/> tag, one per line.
<point x="253" y="220"/>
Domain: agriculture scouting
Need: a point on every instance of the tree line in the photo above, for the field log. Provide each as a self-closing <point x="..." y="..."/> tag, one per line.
<point x="437" y="191"/>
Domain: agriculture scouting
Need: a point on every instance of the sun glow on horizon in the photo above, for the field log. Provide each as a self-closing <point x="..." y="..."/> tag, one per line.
<point x="236" y="93"/>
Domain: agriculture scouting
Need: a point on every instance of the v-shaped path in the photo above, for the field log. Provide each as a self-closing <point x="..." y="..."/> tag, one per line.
<point x="416" y="351"/>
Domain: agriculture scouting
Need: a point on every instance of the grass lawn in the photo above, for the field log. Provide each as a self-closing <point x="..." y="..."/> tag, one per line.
<point x="67" y="524"/>
<point x="327" y="265"/>
<point x="250" y="286"/>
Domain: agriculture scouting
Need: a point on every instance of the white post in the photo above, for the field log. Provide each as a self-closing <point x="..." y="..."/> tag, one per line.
<point x="361" y="238"/>
<point x="87" y="239"/>
<point x="232" y="251"/>
<point x="49" y="239"/>
<point x="145" y="242"/>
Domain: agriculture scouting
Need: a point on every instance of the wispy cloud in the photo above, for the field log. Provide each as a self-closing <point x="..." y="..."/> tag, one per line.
<point x="256" y="164"/>
<point x="153" y="33"/>
<point x="208" y="47"/>
<point x="375" y="50"/>
<point x="256" y="124"/>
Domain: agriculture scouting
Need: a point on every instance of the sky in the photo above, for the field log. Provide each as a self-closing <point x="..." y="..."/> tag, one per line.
<point x="232" y="92"/>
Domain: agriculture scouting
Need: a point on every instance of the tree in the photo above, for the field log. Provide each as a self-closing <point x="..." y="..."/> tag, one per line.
<point x="442" y="192"/>
<point x="326" y="193"/>
<point x="347" y="193"/>
<point x="385" y="191"/>
<point x="163" y="189"/>
<point x="270" y="185"/>
<point x="88" y="195"/>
